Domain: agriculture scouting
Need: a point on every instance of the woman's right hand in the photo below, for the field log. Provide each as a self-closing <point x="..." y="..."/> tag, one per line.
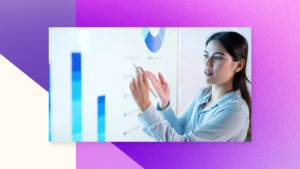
<point x="161" y="87"/>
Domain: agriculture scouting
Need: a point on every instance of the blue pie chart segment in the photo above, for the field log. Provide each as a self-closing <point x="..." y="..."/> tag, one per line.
<point x="153" y="43"/>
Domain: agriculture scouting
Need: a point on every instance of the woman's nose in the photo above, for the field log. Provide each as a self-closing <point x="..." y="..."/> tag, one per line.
<point x="208" y="63"/>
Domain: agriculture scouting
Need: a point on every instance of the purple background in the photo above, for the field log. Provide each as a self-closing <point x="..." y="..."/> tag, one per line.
<point x="275" y="79"/>
<point x="275" y="71"/>
<point x="24" y="32"/>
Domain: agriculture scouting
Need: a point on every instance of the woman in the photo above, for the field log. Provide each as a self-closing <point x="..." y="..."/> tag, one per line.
<point x="220" y="112"/>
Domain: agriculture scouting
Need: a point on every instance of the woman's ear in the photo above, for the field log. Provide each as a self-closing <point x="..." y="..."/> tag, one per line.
<point x="240" y="66"/>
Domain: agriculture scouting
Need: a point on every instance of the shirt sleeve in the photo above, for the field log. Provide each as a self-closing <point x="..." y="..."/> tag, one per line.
<point x="178" y="123"/>
<point x="223" y="126"/>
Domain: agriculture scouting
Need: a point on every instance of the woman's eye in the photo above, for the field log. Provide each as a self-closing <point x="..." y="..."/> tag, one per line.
<point x="218" y="58"/>
<point x="205" y="56"/>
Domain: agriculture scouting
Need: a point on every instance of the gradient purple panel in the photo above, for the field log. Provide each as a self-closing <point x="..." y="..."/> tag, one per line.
<point x="24" y="32"/>
<point x="103" y="155"/>
<point x="275" y="78"/>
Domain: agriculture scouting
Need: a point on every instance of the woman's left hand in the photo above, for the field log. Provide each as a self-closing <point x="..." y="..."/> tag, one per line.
<point x="140" y="90"/>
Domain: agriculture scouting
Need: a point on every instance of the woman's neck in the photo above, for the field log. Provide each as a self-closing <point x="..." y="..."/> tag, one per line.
<point x="220" y="90"/>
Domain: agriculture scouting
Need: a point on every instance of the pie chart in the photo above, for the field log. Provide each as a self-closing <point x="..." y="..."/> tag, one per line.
<point x="153" y="43"/>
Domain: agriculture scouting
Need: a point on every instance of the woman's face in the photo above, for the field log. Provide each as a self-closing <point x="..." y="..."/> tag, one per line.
<point x="218" y="65"/>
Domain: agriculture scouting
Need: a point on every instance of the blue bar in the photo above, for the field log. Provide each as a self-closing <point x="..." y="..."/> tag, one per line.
<point x="76" y="98"/>
<point x="49" y="111"/>
<point x="101" y="119"/>
<point x="76" y="62"/>
<point x="76" y="89"/>
<point x="76" y="120"/>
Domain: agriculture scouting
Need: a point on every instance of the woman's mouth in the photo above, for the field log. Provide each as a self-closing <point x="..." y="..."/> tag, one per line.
<point x="207" y="73"/>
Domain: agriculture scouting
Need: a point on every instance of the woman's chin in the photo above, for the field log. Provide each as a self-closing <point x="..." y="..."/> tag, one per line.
<point x="208" y="81"/>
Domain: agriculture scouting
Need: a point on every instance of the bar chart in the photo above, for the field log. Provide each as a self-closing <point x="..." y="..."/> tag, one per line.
<point x="101" y="119"/>
<point x="89" y="75"/>
<point x="76" y="98"/>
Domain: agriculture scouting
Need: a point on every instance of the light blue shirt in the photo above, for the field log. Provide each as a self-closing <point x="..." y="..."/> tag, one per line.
<point x="226" y="119"/>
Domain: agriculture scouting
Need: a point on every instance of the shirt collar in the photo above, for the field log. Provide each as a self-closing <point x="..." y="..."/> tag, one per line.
<point x="228" y="97"/>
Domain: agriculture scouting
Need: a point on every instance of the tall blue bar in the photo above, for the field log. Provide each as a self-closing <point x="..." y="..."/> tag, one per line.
<point x="76" y="98"/>
<point x="101" y="119"/>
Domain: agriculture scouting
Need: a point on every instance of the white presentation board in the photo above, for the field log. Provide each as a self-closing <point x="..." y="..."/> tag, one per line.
<point x="89" y="74"/>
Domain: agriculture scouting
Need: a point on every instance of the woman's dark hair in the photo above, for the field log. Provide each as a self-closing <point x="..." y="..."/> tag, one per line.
<point x="237" y="46"/>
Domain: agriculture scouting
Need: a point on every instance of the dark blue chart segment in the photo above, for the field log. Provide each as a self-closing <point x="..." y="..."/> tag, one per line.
<point x="76" y="98"/>
<point x="101" y="118"/>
